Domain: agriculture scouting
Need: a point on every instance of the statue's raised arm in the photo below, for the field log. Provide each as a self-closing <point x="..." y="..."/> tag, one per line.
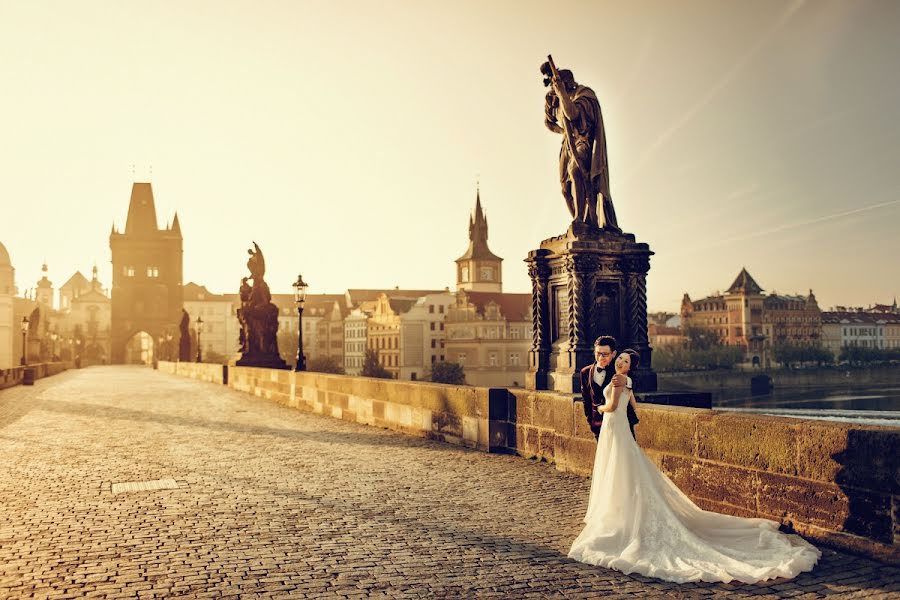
<point x="574" y="111"/>
<point x="256" y="263"/>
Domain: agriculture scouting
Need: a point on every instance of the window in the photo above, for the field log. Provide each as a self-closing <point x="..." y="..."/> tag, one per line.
<point x="492" y="359"/>
<point x="442" y="326"/>
<point x="152" y="272"/>
<point x="460" y="358"/>
<point x="514" y="333"/>
<point x="487" y="273"/>
<point x="129" y="271"/>
<point x="432" y="325"/>
<point x="442" y="358"/>
<point x="431" y="308"/>
<point x="434" y="343"/>
<point x="464" y="274"/>
<point x="441" y="309"/>
<point x="433" y="359"/>
<point x="514" y="359"/>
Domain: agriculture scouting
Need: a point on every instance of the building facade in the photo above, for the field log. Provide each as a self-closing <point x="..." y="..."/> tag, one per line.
<point x="147" y="295"/>
<point x="489" y="334"/>
<point x="9" y="329"/>
<point x="744" y="316"/>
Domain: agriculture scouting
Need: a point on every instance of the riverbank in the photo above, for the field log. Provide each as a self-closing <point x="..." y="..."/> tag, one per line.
<point x="711" y="381"/>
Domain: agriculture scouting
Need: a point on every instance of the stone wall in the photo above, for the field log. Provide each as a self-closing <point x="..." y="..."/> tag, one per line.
<point x="15" y="375"/>
<point x="835" y="483"/>
<point x="453" y="414"/>
<point x="213" y="373"/>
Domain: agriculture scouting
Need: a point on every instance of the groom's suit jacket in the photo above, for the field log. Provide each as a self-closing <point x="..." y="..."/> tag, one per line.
<point x="592" y="397"/>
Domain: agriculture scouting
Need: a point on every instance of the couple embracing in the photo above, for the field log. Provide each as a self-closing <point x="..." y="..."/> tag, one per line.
<point x="637" y="519"/>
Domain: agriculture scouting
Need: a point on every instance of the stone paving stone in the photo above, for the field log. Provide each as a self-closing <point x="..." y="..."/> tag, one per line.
<point x="276" y="503"/>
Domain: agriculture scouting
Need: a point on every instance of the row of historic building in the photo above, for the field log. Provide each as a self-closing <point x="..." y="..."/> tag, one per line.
<point x="476" y="325"/>
<point x="745" y="316"/>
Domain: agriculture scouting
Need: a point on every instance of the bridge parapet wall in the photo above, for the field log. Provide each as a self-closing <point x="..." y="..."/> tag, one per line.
<point x="835" y="483"/>
<point x="15" y="375"/>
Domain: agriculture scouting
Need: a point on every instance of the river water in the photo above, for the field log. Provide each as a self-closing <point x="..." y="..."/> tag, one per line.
<point x="870" y="405"/>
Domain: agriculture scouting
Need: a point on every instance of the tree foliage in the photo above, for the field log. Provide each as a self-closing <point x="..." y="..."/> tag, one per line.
<point x="447" y="372"/>
<point x="860" y="355"/>
<point x="373" y="368"/>
<point x="325" y="364"/>
<point x="795" y="354"/>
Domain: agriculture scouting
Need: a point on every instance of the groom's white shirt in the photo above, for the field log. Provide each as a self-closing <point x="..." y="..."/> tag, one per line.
<point x="600" y="376"/>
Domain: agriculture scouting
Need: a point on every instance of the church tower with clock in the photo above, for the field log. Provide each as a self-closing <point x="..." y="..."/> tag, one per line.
<point x="479" y="269"/>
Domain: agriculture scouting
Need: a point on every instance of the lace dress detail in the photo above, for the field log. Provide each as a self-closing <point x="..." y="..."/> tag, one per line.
<point x="638" y="521"/>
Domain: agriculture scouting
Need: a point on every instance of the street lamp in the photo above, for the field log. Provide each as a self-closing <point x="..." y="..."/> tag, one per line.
<point x="199" y="329"/>
<point x="300" y="297"/>
<point x="168" y="346"/>
<point x="24" y="339"/>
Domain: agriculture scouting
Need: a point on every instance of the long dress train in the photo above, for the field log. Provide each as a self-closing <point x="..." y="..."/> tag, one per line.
<point x="638" y="521"/>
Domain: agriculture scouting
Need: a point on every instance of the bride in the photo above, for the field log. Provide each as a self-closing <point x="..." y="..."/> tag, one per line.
<point x="638" y="521"/>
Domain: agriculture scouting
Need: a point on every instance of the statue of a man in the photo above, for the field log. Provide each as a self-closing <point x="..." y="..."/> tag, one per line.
<point x="574" y="111"/>
<point x="256" y="263"/>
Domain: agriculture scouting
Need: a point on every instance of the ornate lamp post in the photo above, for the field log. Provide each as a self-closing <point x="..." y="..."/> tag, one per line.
<point x="199" y="330"/>
<point x="24" y="340"/>
<point x="300" y="297"/>
<point x="53" y="353"/>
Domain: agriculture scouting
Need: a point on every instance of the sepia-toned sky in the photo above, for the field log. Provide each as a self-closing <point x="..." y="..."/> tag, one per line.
<point x="346" y="137"/>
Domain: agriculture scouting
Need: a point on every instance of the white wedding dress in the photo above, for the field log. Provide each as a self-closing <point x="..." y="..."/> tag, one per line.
<point x="638" y="521"/>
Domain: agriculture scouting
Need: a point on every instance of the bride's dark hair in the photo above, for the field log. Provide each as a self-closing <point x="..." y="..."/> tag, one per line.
<point x="635" y="358"/>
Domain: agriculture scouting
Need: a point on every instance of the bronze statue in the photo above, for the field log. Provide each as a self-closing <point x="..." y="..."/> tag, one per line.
<point x="184" y="340"/>
<point x="574" y="111"/>
<point x="258" y="317"/>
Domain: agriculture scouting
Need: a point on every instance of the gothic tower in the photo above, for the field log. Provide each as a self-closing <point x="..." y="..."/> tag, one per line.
<point x="147" y="274"/>
<point x="479" y="269"/>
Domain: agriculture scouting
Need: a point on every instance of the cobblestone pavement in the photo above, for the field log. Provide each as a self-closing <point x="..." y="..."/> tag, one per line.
<point x="272" y="502"/>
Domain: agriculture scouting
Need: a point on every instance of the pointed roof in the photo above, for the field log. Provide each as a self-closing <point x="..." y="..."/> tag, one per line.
<point x="141" y="210"/>
<point x="76" y="282"/>
<point x="478" y="235"/>
<point x="745" y="284"/>
<point x="176" y="225"/>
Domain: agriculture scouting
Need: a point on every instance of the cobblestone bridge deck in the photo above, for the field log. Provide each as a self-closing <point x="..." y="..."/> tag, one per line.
<point x="272" y="502"/>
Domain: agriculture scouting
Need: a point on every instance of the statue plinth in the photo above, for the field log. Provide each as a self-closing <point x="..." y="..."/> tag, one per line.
<point x="261" y="360"/>
<point x="258" y="318"/>
<point x="587" y="283"/>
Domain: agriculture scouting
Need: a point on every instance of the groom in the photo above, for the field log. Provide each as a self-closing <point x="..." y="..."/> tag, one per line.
<point x="594" y="379"/>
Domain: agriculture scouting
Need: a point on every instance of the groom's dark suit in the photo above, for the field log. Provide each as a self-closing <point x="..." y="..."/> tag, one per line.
<point x="592" y="396"/>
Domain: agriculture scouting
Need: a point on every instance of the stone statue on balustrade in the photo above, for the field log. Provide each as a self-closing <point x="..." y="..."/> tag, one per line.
<point x="590" y="281"/>
<point x="573" y="110"/>
<point x="258" y="318"/>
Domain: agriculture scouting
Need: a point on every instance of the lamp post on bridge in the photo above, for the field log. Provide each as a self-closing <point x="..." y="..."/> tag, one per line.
<point x="300" y="297"/>
<point x="199" y="330"/>
<point x="24" y="340"/>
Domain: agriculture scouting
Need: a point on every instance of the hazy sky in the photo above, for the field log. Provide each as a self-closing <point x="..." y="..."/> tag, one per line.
<point x="346" y="137"/>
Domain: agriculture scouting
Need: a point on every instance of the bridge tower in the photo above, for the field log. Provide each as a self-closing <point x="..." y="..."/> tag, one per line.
<point x="146" y="275"/>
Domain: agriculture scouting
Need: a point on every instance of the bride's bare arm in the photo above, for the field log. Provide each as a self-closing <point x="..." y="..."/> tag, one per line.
<point x="610" y="406"/>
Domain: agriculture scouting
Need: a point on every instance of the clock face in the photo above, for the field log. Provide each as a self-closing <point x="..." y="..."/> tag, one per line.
<point x="487" y="273"/>
<point x="465" y="273"/>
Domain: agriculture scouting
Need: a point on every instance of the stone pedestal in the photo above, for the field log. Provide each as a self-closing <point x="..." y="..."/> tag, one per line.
<point x="585" y="284"/>
<point x="261" y="360"/>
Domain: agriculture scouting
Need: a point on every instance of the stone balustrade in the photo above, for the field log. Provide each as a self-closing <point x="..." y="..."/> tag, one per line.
<point x="15" y="375"/>
<point x="835" y="483"/>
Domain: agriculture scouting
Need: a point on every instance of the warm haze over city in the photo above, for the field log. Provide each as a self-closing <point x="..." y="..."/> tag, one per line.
<point x="346" y="138"/>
